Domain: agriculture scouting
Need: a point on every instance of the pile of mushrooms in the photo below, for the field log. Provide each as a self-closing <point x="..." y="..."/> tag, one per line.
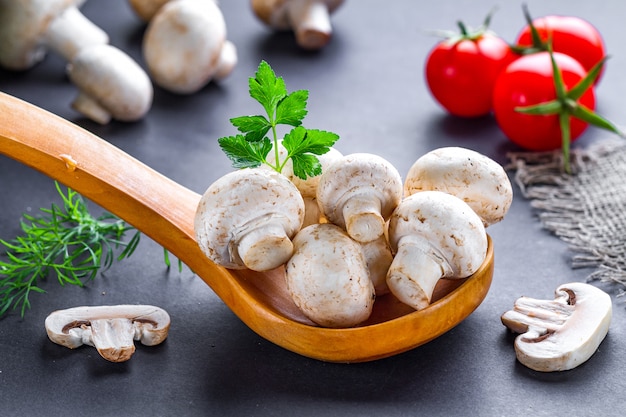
<point x="372" y="233"/>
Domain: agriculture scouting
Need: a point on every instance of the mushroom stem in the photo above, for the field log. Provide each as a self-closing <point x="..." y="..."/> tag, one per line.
<point x="71" y="31"/>
<point x="227" y="61"/>
<point x="113" y="338"/>
<point x="262" y="248"/>
<point x="311" y="23"/>
<point x="364" y="222"/>
<point x="414" y="272"/>
<point x="86" y="105"/>
<point x="434" y="235"/>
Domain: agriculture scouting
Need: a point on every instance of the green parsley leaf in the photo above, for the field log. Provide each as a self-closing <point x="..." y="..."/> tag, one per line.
<point x="301" y="140"/>
<point x="253" y="127"/>
<point x="245" y="154"/>
<point x="266" y="88"/>
<point x="250" y="148"/>
<point x="306" y="165"/>
<point x="292" y="109"/>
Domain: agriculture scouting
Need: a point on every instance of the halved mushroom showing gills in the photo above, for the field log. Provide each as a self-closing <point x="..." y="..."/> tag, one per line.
<point x="110" y="329"/>
<point x="560" y="334"/>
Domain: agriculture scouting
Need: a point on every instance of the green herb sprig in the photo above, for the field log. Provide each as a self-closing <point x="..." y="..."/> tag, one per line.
<point x="251" y="147"/>
<point x="67" y="241"/>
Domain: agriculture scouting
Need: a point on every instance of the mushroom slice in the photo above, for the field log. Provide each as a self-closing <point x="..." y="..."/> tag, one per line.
<point x="560" y="334"/>
<point x="110" y="329"/>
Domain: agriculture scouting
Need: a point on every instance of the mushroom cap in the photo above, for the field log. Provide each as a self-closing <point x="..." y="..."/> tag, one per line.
<point x="445" y="226"/>
<point x="275" y="13"/>
<point x="327" y="277"/>
<point x="183" y="45"/>
<point x="242" y="202"/>
<point x="146" y="9"/>
<point x="22" y="26"/>
<point x="111" y="81"/>
<point x="473" y="177"/>
<point x="359" y="177"/>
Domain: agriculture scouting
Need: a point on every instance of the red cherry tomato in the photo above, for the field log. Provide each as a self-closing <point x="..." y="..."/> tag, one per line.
<point x="528" y="81"/>
<point x="570" y="35"/>
<point x="461" y="74"/>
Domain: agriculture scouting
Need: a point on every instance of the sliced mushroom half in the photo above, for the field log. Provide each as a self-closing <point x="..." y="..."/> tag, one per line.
<point x="110" y="329"/>
<point x="560" y="334"/>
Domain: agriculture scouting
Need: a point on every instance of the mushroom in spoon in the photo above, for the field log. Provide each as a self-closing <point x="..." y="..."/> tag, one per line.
<point x="358" y="193"/>
<point x="473" y="177"/>
<point x="246" y="219"/>
<point x="434" y="235"/>
<point x="327" y="277"/>
<point x="164" y="210"/>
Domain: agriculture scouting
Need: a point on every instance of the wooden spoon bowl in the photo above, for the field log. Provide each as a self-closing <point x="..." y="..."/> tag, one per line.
<point x="164" y="210"/>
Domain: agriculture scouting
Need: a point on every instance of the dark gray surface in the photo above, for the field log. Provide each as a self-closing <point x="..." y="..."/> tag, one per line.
<point x="367" y="86"/>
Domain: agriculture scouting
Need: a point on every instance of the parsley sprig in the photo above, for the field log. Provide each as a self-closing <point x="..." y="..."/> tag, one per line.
<point x="67" y="241"/>
<point x="251" y="147"/>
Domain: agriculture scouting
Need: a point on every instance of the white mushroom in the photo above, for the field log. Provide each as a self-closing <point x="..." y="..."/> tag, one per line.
<point x="309" y="19"/>
<point x="327" y="277"/>
<point x="560" y="334"/>
<point x="433" y="235"/>
<point x="185" y="46"/>
<point x="475" y="178"/>
<point x="307" y="187"/>
<point x="358" y="193"/>
<point x="28" y="28"/>
<point x="246" y="219"/>
<point x="111" y="85"/>
<point x="110" y="329"/>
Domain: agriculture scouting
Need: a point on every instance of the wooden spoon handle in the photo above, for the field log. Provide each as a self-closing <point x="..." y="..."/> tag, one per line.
<point x="159" y="207"/>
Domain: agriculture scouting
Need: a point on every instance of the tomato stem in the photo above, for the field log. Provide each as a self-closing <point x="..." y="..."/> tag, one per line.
<point x="566" y="105"/>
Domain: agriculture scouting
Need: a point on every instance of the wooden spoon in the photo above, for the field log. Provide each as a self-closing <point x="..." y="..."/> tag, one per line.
<point x="164" y="210"/>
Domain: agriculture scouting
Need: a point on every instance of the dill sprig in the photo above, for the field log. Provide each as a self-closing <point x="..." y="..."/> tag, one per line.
<point x="65" y="241"/>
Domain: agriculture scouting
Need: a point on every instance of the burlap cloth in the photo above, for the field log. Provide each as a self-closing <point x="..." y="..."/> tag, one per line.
<point x="587" y="208"/>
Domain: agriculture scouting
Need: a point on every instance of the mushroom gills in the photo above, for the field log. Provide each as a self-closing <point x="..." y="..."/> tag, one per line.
<point x="563" y="333"/>
<point x="110" y="329"/>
